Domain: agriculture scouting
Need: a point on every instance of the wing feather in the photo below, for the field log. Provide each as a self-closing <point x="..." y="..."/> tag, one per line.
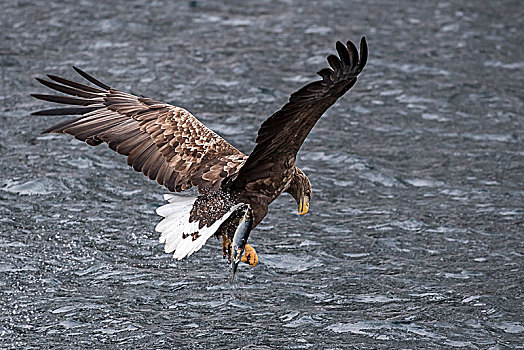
<point x="65" y="111"/>
<point x="91" y="79"/>
<point x="74" y="84"/>
<point x="166" y="143"/>
<point x="66" y="89"/>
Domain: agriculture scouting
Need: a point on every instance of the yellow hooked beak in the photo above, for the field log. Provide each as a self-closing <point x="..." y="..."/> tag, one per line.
<point x="303" y="206"/>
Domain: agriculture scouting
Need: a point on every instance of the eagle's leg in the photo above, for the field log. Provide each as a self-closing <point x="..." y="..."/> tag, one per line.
<point x="240" y="237"/>
<point x="226" y="246"/>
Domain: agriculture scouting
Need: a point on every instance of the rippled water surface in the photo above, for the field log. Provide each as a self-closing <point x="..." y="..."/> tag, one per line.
<point x="415" y="232"/>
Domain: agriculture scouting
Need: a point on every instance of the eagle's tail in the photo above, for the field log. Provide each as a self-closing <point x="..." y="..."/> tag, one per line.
<point x="179" y="235"/>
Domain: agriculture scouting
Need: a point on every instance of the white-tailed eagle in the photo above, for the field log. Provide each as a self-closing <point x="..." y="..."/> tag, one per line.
<point x="171" y="146"/>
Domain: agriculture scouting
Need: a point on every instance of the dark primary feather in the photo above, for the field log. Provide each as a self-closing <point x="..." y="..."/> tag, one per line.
<point x="74" y="84"/>
<point x="66" y="89"/>
<point x="281" y="135"/>
<point x="91" y="79"/>
<point x="67" y="100"/>
<point x="164" y="142"/>
<point x="65" y="111"/>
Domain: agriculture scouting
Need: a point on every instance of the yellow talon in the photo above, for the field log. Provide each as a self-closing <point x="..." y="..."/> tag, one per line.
<point x="250" y="256"/>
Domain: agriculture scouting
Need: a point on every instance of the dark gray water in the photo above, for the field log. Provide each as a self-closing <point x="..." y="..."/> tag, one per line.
<point x="415" y="232"/>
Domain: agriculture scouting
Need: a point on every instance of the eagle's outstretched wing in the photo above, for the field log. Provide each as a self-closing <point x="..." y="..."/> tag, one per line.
<point x="281" y="135"/>
<point x="165" y="142"/>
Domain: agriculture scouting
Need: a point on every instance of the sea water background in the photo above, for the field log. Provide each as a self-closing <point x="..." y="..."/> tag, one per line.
<point x="415" y="232"/>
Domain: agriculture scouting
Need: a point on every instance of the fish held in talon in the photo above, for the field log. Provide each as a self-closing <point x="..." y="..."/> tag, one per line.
<point x="238" y="243"/>
<point x="172" y="147"/>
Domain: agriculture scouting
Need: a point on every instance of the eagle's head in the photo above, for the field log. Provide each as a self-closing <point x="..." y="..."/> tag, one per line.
<point x="300" y="189"/>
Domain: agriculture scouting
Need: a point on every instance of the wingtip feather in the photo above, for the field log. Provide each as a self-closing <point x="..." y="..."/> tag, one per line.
<point x="334" y="62"/>
<point x="363" y="53"/>
<point x="91" y="78"/>
<point x="343" y="53"/>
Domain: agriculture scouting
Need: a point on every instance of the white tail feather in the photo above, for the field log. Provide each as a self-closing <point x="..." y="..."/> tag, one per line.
<point x="176" y="226"/>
